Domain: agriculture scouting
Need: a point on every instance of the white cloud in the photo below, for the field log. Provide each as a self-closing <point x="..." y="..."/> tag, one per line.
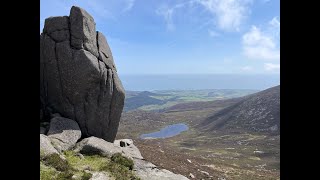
<point x="275" y="22"/>
<point x="213" y="33"/>
<point x="271" y="67"/>
<point x="275" y="27"/>
<point x="262" y="45"/>
<point x="246" y="68"/>
<point x="229" y="14"/>
<point x="167" y="15"/>
<point x="129" y="5"/>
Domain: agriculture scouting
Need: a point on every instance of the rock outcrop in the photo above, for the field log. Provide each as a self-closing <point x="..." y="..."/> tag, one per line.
<point x="81" y="96"/>
<point x="148" y="171"/>
<point x="94" y="145"/>
<point x="78" y="77"/>
<point x="128" y="148"/>
<point x="100" y="176"/>
<point x="46" y="147"/>
<point x="64" y="133"/>
<point x="144" y="169"/>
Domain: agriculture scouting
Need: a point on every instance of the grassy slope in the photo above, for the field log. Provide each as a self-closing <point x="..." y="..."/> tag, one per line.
<point x="54" y="168"/>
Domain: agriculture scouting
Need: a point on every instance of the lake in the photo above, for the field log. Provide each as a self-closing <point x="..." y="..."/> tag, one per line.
<point x="168" y="131"/>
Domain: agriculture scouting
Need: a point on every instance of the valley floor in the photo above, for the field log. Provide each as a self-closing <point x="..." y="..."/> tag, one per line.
<point x="216" y="155"/>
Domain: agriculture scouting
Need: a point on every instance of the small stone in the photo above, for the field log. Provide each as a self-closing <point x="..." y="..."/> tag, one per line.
<point x="205" y="173"/>
<point x="191" y="176"/>
<point x="87" y="168"/>
<point x="100" y="176"/>
<point x="87" y="171"/>
<point x="80" y="155"/>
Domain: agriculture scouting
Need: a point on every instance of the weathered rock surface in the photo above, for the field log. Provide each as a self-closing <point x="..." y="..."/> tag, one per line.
<point x="63" y="133"/>
<point x="100" y="176"/>
<point x="46" y="148"/>
<point x="78" y="77"/>
<point x="148" y="171"/>
<point x="94" y="145"/>
<point x="128" y="148"/>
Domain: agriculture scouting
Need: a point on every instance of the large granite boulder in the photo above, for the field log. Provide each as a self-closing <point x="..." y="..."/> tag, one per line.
<point x="78" y="77"/>
<point x="46" y="148"/>
<point x="94" y="145"/>
<point x="63" y="133"/>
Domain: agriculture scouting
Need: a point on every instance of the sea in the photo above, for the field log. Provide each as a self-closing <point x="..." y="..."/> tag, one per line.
<point x="145" y="82"/>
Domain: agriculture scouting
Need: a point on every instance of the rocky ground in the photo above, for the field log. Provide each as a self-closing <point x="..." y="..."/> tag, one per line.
<point x="64" y="155"/>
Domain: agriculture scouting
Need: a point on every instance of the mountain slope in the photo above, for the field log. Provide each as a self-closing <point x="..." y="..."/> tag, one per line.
<point x="200" y="105"/>
<point x="141" y="99"/>
<point x="259" y="112"/>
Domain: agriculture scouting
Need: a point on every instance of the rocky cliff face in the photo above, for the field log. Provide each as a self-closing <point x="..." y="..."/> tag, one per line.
<point x="78" y="77"/>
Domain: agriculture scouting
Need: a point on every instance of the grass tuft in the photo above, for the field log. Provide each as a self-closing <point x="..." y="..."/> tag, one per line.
<point x="124" y="161"/>
<point x="55" y="161"/>
<point x="86" y="176"/>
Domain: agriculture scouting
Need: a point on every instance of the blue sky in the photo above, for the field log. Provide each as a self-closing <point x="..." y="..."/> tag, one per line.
<point x="185" y="36"/>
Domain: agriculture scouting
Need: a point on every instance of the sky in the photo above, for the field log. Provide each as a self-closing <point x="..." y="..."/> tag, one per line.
<point x="184" y="36"/>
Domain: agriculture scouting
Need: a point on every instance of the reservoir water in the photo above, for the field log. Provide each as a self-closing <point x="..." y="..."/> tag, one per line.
<point x="168" y="131"/>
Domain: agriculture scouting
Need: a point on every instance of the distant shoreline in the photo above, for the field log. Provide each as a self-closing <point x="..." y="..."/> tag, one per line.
<point x="199" y="82"/>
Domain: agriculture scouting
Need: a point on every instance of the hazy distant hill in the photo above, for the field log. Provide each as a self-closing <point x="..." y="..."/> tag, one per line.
<point x="162" y="100"/>
<point x="199" y="105"/>
<point x="257" y="112"/>
<point x="141" y="99"/>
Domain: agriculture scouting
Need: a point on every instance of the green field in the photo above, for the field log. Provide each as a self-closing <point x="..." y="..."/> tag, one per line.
<point x="161" y="100"/>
